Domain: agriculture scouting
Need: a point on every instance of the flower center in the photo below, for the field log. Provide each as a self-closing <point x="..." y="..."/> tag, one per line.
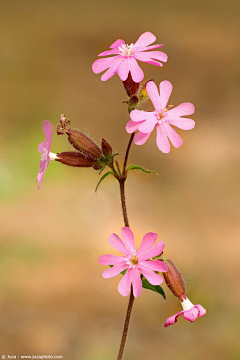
<point x="126" y="49"/>
<point x="134" y="260"/>
<point x="44" y="155"/>
<point x="163" y="114"/>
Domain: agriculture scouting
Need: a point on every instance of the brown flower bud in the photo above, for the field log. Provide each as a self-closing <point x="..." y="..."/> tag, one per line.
<point x="106" y="148"/>
<point x="73" y="158"/>
<point x="83" y="144"/>
<point x="174" y="280"/>
<point x="130" y="86"/>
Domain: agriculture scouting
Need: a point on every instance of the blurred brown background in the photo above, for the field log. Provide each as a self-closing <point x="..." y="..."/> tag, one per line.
<point x="53" y="299"/>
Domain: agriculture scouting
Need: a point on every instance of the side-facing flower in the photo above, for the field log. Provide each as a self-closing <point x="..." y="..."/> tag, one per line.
<point x="176" y="284"/>
<point x="44" y="150"/>
<point x="126" y="56"/>
<point x="135" y="262"/>
<point x="162" y="117"/>
<point x="190" y="312"/>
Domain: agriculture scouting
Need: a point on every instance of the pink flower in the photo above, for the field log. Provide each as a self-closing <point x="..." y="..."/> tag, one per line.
<point x="126" y="58"/>
<point x="162" y="117"/>
<point x="44" y="149"/>
<point x="190" y="312"/>
<point x="134" y="261"/>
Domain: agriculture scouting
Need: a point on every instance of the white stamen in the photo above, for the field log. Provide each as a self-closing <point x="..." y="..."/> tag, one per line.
<point x="53" y="156"/>
<point x="187" y="305"/>
<point x="126" y="49"/>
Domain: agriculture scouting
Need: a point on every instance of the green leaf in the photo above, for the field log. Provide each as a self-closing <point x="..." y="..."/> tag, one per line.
<point x="155" y="288"/>
<point x="103" y="177"/>
<point x="137" y="167"/>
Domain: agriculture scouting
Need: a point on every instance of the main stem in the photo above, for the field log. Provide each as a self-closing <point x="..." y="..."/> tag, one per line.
<point x="122" y="180"/>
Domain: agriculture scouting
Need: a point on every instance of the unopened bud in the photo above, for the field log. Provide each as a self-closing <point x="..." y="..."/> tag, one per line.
<point x="130" y="86"/>
<point x="83" y="144"/>
<point x="174" y="281"/>
<point x="73" y="158"/>
<point x="106" y="148"/>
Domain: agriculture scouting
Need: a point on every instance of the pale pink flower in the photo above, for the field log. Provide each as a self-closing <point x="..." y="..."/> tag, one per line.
<point x="162" y="118"/>
<point x="190" y="312"/>
<point x="44" y="149"/>
<point x="135" y="262"/>
<point x="126" y="56"/>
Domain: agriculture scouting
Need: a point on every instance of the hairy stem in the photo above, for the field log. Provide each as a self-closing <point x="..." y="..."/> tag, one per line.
<point x="126" y="324"/>
<point x="121" y="181"/>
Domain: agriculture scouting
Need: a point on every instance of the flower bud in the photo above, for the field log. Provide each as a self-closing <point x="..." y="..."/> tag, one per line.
<point x="174" y="280"/>
<point x="73" y="158"/>
<point x="106" y="149"/>
<point x="83" y="144"/>
<point x="78" y="140"/>
<point x="130" y="86"/>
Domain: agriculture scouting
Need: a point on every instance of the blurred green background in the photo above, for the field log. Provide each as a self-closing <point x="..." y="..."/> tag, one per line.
<point x="53" y="299"/>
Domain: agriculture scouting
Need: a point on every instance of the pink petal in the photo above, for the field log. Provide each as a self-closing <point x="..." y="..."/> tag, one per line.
<point x="109" y="52"/>
<point x="152" y="91"/>
<point x="165" y="92"/>
<point x="191" y="315"/>
<point x="111" y="260"/>
<point x="162" y="139"/>
<point x="118" y="244"/>
<point x="136" y="71"/>
<point x="145" y="48"/>
<point x="175" y="139"/>
<point x="132" y="126"/>
<point x="124" y="285"/>
<point x="154" y="265"/>
<point x="172" y="319"/>
<point x="42" y="146"/>
<point x="148" y="125"/>
<point x="155" y="250"/>
<point x="146" y="57"/>
<point x="181" y="123"/>
<point x="109" y="273"/>
<point x="102" y="64"/>
<point x="140" y="115"/>
<point x="124" y="68"/>
<point x="147" y="241"/>
<point x="141" y="138"/>
<point x="136" y="282"/>
<point x="151" y="276"/>
<point x="113" y="69"/>
<point x="145" y="39"/>
<point x="41" y="173"/>
<point x="117" y="43"/>
<point x="158" y="55"/>
<point x="128" y="237"/>
<point x="48" y="129"/>
<point x="201" y="310"/>
<point x="182" y="110"/>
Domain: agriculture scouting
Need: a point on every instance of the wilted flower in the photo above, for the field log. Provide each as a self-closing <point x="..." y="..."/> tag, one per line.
<point x="44" y="149"/>
<point x="126" y="58"/>
<point x="135" y="262"/>
<point x="162" y="117"/>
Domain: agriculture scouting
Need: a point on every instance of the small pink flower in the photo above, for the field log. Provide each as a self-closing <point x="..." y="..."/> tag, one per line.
<point x="44" y="149"/>
<point x="162" y="117"/>
<point x="134" y="261"/>
<point x="126" y="58"/>
<point x="190" y="312"/>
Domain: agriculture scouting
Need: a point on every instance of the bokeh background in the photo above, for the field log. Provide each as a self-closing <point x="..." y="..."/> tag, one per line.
<point x="53" y="299"/>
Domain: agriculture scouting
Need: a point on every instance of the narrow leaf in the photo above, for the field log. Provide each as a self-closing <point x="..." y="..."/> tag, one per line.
<point x="102" y="178"/>
<point x="155" y="288"/>
<point x="137" y="167"/>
